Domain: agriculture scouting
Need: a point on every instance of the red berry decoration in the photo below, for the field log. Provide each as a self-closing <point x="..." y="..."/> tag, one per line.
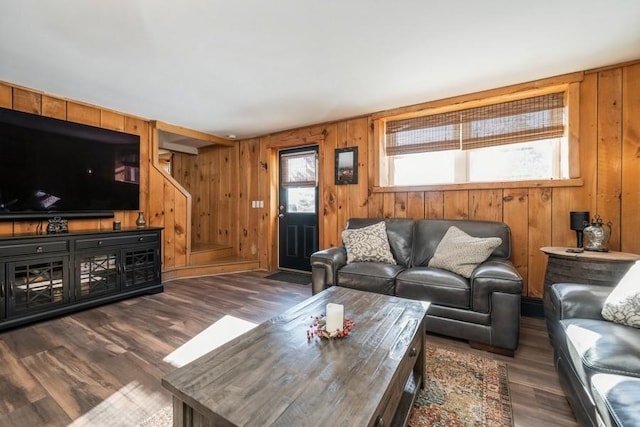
<point x="318" y="328"/>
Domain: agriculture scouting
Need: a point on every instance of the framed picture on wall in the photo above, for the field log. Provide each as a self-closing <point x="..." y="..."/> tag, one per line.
<point x="347" y="165"/>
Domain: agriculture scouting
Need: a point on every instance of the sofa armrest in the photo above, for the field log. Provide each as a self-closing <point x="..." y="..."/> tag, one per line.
<point x="493" y="275"/>
<point x="324" y="267"/>
<point x="578" y="300"/>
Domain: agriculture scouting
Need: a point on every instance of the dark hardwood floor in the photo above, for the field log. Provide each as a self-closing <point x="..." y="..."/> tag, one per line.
<point x="102" y="366"/>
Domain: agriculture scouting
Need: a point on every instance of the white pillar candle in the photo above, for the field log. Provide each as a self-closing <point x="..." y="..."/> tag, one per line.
<point x="335" y="318"/>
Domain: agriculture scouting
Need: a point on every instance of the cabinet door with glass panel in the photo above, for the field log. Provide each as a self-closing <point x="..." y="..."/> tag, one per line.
<point x="97" y="273"/>
<point x="36" y="284"/>
<point x="140" y="266"/>
<point x="3" y="292"/>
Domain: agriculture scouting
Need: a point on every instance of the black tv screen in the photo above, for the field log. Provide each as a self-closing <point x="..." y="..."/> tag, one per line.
<point x="51" y="167"/>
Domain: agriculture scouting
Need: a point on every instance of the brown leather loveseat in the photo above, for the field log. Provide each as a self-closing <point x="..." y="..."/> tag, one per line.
<point x="483" y="309"/>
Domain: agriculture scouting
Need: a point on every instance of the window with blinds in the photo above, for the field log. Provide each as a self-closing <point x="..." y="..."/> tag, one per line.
<point x="523" y="120"/>
<point x="298" y="169"/>
<point x="521" y="139"/>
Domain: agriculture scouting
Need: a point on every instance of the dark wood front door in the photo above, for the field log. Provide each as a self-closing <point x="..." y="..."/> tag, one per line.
<point x="298" y="208"/>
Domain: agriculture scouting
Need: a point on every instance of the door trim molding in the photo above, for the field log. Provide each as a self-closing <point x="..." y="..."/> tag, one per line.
<point x="298" y="141"/>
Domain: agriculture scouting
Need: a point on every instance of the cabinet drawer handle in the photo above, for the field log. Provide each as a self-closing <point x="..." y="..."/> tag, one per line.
<point x="140" y="239"/>
<point x="99" y="242"/>
<point x="39" y="249"/>
<point x="1" y="289"/>
<point x="413" y="352"/>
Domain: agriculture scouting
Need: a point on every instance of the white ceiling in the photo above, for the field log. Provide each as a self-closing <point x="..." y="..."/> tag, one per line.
<point x="251" y="67"/>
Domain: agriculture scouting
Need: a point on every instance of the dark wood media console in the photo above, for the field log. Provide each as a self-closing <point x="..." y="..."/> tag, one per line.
<point x="45" y="275"/>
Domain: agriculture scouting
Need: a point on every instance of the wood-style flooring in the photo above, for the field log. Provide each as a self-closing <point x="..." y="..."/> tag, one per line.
<point x="102" y="366"/>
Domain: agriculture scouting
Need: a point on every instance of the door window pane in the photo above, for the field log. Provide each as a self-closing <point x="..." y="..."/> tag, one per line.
<point x="301" y="200"/>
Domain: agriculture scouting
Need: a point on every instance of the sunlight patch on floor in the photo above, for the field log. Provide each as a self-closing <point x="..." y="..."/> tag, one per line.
<point x="221" y="332"/>
<point x="128" y="406"/>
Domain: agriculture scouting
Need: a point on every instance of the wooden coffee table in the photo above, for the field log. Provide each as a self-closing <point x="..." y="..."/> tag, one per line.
<point x="272" y="375"/>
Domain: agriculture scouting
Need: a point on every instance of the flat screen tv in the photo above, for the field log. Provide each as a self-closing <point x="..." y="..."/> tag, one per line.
<point x="54" y="168"/>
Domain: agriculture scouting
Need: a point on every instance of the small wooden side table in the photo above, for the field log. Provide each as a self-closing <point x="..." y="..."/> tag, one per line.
<point x="596" y="268"/>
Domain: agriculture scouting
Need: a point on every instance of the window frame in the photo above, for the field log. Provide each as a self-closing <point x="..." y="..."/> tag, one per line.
<point x="571" y="90"/>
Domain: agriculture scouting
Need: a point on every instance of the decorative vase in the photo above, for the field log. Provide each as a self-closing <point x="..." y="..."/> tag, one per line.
<point x="141" y="222"/>
<point x="596" y="236"/>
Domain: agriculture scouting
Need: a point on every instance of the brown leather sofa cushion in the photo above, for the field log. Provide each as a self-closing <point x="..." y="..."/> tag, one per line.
<point x="434" y="285"/>
<point x="376" y="277"/>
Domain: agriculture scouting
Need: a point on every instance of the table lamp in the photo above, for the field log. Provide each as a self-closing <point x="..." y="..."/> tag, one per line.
<point x="579" y="221"/>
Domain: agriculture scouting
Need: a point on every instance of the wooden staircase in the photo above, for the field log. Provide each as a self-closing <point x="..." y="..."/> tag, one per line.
<point x="209" y="259"/>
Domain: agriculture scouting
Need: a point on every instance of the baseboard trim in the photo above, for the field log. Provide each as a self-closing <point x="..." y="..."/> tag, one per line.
<point x="491" y="348"/>
<point x="531" y="307"/>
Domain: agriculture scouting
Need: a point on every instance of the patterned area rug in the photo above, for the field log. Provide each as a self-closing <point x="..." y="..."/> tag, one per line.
<point x="162" y="418"/>
<point x="462" y="390"/>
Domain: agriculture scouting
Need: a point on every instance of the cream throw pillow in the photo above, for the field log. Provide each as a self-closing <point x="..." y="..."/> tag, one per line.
<point x="460" y="253"/>
<point x="368" y="244"/>
<point x="623" y="303"/>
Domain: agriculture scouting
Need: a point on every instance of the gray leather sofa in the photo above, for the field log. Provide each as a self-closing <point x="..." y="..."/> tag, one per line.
<point x="598" y="361"/>
<point x="484" y="309"/>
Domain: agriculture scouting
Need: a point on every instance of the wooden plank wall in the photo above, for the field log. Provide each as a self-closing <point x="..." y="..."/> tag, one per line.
<point x="211" y="177"/>
<point x="608" y="119"/>
<point x="160" y="200"/>
<point x="224" y="180"/>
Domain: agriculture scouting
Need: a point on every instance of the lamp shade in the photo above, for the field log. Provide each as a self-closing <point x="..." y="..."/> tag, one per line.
<point x="579" y="220"/>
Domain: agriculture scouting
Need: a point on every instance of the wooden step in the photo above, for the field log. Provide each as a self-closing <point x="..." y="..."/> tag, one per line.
<point x="203" y="253"/>
<point x="219" y="266"/>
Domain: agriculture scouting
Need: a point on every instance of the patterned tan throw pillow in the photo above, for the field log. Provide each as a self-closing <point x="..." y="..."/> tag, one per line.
<point x="460" y="253"/>
<point x="368" y="244"/>
<point x="623" y="303"/>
